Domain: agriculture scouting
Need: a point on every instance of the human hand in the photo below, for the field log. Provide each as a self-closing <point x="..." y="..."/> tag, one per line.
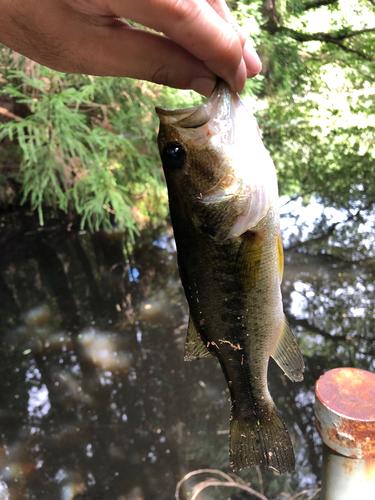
<point x="202" y="40"/>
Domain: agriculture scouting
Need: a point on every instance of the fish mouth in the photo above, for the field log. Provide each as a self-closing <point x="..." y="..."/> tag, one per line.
<point x="219" y="107"/>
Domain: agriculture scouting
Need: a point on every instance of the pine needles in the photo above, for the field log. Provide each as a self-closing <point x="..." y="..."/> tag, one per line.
<point x="87" y="144"/>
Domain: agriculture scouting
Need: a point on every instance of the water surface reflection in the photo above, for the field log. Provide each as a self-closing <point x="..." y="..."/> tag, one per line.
<point x="96" y="401"/>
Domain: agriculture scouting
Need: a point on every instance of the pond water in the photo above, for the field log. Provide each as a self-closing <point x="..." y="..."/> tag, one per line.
<point x="96" y="402"/>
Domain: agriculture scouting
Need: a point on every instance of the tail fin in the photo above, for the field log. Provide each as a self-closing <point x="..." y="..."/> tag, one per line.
<point x="262" y="442"/>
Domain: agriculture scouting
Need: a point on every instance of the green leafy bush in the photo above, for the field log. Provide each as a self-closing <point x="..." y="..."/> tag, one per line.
<point x="86" y="144"/>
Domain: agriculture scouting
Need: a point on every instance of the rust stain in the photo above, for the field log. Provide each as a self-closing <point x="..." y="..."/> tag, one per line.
<point x="349" y="466"/>
<point x="357" y="437"/>
<point x="357" y="434"/>
<point x="319" y="427"/>
<point x="350" y="392"/>
<point x="332" y="435"/>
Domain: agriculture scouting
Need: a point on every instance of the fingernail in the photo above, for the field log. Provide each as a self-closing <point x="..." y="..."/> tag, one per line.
<point x="203" y="85"/>
<point x="251" y="58"/>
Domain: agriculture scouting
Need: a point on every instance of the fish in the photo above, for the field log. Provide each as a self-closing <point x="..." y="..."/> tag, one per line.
<point x="223" y="201"/>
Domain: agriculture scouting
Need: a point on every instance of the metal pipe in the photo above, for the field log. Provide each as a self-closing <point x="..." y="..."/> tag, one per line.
<point x="345" y="419"/>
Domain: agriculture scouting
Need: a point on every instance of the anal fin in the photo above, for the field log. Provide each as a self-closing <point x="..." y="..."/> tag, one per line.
<point x="287" y="354"/>
<point x="194" y="347"/>
<point x="262" y="441"/>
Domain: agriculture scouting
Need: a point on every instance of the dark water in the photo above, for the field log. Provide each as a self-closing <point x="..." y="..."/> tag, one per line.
<point x="96" y="401"/>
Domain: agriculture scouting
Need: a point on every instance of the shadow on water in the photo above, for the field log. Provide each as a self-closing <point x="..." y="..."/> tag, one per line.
<point x="96" y="402"/>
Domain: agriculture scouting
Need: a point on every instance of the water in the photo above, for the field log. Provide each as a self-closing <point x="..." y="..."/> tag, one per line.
<point x="96" y="402"/>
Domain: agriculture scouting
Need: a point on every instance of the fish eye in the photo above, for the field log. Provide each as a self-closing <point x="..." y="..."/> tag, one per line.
<point x="173" y="156"/>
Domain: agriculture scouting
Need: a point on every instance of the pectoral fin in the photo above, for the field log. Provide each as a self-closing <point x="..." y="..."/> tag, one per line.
<point x="249" y="259"/>
<point x="287" y="354"/>
<point x="194" y="347"/>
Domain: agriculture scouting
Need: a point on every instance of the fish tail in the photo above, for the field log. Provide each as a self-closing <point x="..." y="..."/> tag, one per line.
<point x="262" y="441"/>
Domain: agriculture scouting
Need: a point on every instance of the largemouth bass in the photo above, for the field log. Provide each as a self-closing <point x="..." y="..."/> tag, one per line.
<point x="223" y="200"/>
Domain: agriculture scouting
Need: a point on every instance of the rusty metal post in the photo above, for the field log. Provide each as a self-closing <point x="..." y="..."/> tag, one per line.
<point x="345" y="419"/>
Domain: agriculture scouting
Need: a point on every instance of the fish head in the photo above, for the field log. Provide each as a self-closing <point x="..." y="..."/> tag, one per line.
<point x="216" y="165"/>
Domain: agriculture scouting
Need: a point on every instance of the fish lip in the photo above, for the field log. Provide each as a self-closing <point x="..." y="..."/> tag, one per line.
<point x="221" y="101"/>
<point x="172" y="112"/>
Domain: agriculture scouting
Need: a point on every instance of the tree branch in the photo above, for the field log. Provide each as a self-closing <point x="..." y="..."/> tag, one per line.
<point x="315" y="239"/>
<point x="354" y="51"/>
<point x="304" y="323"/>
<point x="365" y="261"/>
<point x="315" y="4"/>
<point x="350" y="34"/>
<point x="330" y="230"/>
<point x="211" y="482"/>
<point x="8" y="114"/>
<point x="321" y="36"/>
<point x="334" y="38"/>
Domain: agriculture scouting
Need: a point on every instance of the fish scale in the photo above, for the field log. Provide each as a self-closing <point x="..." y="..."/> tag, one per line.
<point x="226" y="225"/>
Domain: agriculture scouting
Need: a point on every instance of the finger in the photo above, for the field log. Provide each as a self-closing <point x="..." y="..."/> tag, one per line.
<point x="197" y="27"/>
<point x="146" y="56"/>
<point x="76" y="43"/>
<point x="250" y="56"/>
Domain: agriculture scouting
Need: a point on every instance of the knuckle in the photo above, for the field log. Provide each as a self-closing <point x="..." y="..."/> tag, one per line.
<point x="231" y="50"/>
<point x="182" y="11"/>
<point x="161" y="75"/>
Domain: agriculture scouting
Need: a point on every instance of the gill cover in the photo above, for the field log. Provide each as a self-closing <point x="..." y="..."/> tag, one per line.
<point x="226" y="161"/>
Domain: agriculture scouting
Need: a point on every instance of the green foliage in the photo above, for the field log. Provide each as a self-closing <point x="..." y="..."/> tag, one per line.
<point x="317" y="100"/>
<point x="87" y="144"/>
<point x="336" y="163"/>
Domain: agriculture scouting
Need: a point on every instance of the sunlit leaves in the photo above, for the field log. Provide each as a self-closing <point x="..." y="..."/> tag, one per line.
<point x="87" y="144"/>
